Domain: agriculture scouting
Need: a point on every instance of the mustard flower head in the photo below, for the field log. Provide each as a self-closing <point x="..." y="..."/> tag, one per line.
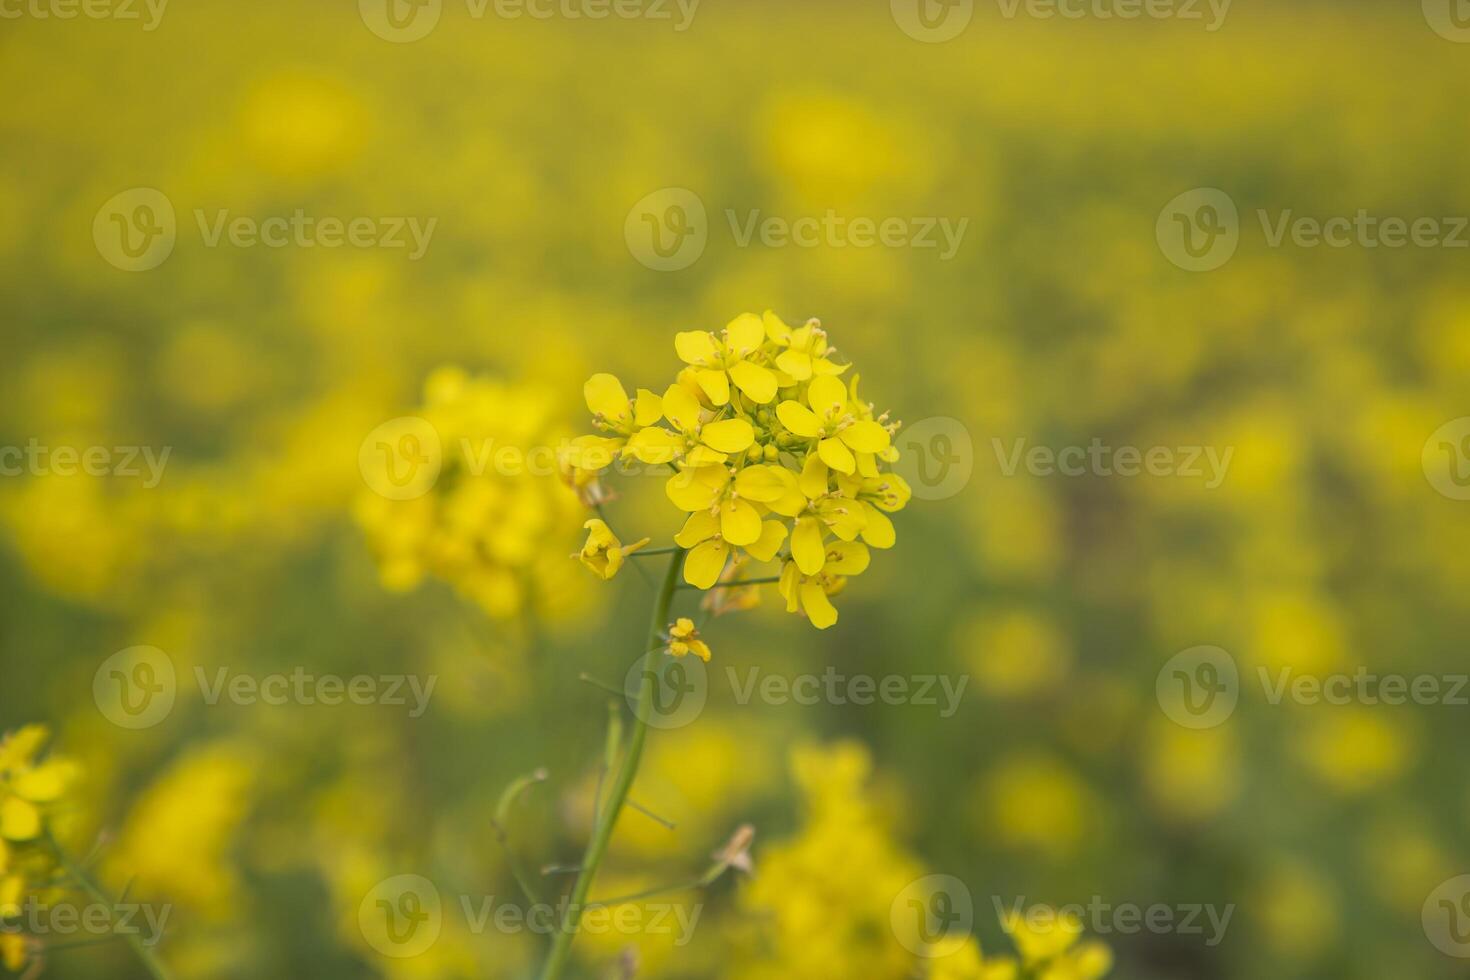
<point x="603" y="552"/>
<point x="684" y="639"/>
<point x="773" y="457"/>
<point x="482" y="524"/>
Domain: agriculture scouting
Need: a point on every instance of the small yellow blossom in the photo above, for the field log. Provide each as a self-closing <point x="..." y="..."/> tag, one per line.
<point x="603" y="552"/>
<point x="684" y="639"/>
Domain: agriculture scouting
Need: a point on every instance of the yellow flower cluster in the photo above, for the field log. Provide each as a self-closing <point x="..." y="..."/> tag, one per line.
<point x="773" y="456"/>
<point x="483" y="524"/>
<point x="30" y="790"/>
<point x="821" y="901"/>
<point x="1048" y="945"/>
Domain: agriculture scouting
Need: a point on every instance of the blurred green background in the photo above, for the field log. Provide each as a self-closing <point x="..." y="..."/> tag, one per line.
<point x="1059" y="319"/>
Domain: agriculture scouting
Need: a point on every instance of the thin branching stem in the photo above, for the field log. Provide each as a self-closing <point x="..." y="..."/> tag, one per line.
<point x="602" y="832"/>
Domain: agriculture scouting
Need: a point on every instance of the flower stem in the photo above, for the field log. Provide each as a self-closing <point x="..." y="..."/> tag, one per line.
<point x="94" y="891"/>
<point x="602" y="832"/>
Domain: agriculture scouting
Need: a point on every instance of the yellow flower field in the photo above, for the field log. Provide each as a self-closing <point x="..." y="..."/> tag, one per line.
<point x="913" y="490"/>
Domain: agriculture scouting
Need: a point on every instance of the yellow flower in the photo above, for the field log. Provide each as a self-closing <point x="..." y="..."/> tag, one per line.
<point x="829" y="420"/>
<point x="701" y="439"/>
<point x="719" y="362"/>
<point x="14" y="951"/>
<point x="684" y="639"/>
<point x="808" y="594"/>
<point x="603" y="552"/>
<point x="29" y="788"/>
<point x="483" y="522"/>
<point x="612" y="411"/>
<point x="805" y="348"/>
<point x="1048" y="943"/>
<point x="770" y="451"/>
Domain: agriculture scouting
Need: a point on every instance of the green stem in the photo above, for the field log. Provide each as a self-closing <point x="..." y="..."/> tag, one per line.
<point x="145" y="953"/>
<point x="561" y="945"/>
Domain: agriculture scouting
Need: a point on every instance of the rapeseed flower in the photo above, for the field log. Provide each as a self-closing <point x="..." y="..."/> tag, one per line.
<point x="774" y="459"/>
<point x="496" y="499"/>
<point x="603" y="552"/>
<point x="684" y="639"/>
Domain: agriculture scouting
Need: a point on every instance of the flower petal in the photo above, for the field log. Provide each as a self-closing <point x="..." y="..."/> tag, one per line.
<point x="740" y="523"/>
<point x="865" y="436"/>
<point x="754" y="380"/>
<point x="806" y="546"/>
<point x="744" y="334"/>
<point x="817" y="606"/>
<point x="878" y="532"/>
<point x="592" y="452"/>
<point x="701" y="526"/>
<point x="695" y="346"/>
<point x="836" y="455"/>
<point x="790" y="586"/>
<point x="655" y="446"/>
<point x="843" y="517"/>
<point x="846" y="558"/>
<point x="47" y="782"/>
<point x="728" y="435"/>
<point x="765" y="548"/>
<point x="795" y="363"/>
<point x="715" y="385"/>
<point x="827" y="397"/>
<point x="19" y="819"/>
<point x="761" y="483"/>
<point x="703" y="565"/>
<point x="820" y="365"/>
<point x="694" y="489"/>
<point x="776" y="328"/>
<point x="681" y="408"/>
<point x="648" y="409"/>
<point x="799" y="419"/>
<point x="605" y="396"/>
<point x="705" y="456"/>
<point x="813" y="480"/>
